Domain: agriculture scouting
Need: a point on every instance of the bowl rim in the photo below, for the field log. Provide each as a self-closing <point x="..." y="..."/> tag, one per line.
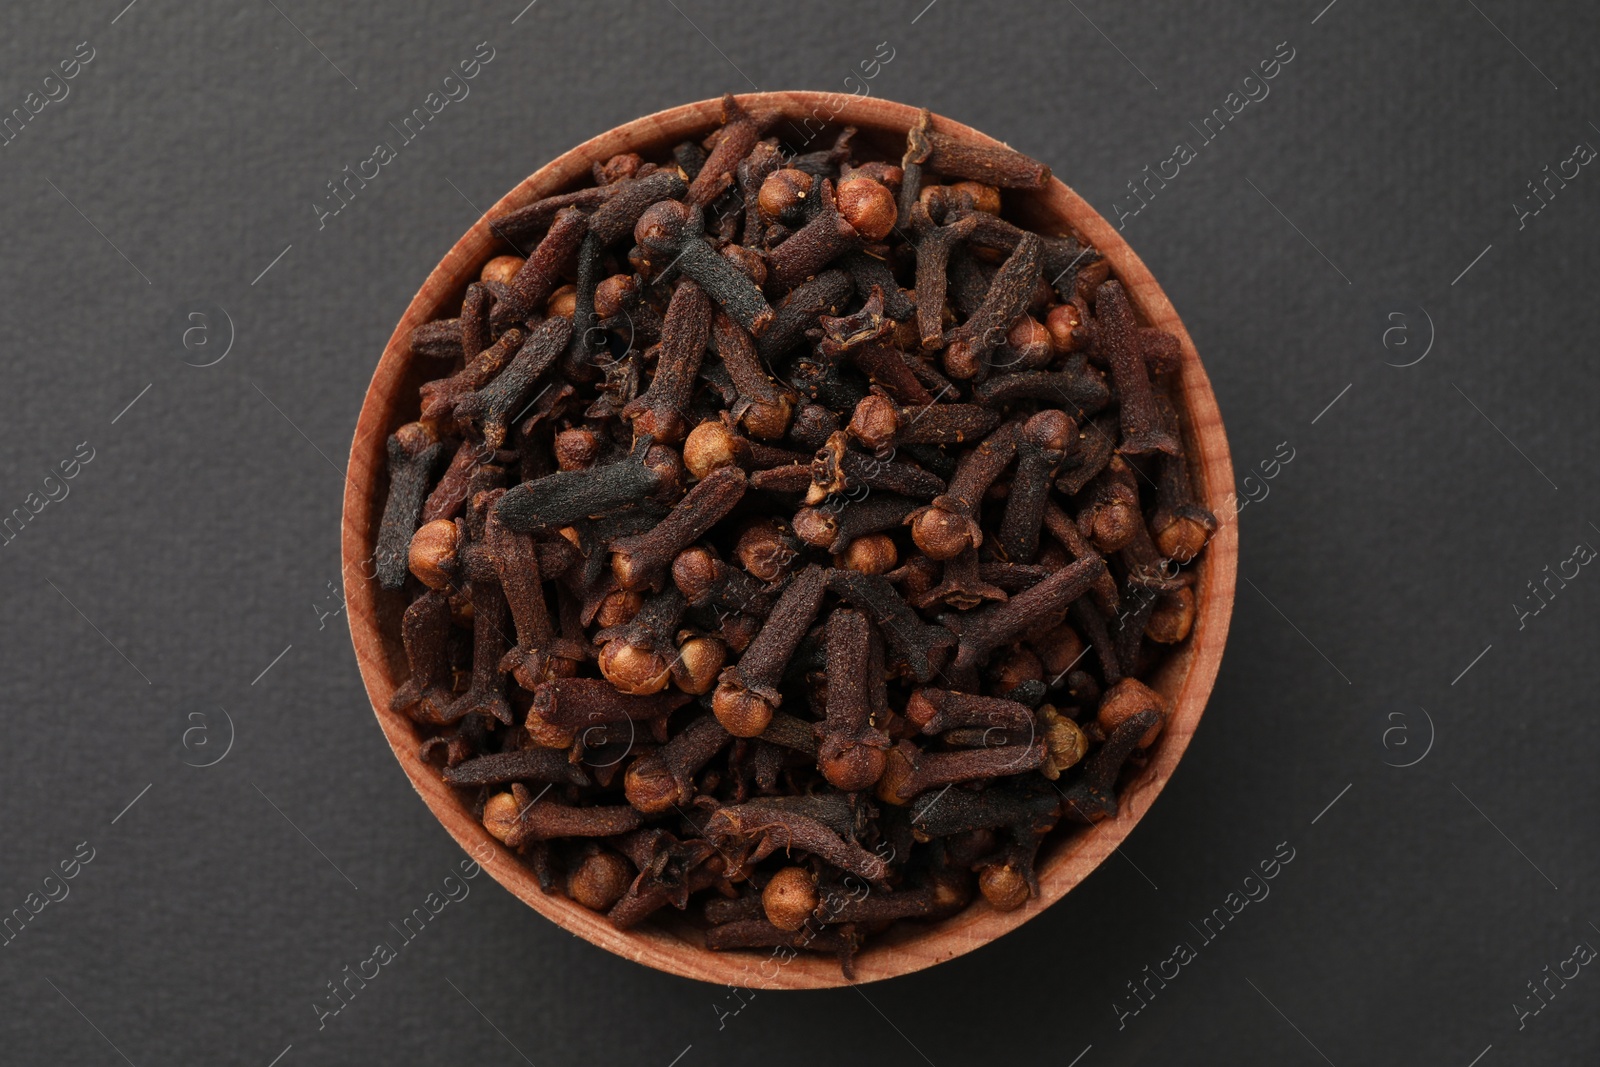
<point x="1186" y="678"/>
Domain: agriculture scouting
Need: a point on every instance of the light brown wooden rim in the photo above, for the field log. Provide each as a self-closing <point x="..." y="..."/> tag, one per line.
<point x="1186" y="679"/>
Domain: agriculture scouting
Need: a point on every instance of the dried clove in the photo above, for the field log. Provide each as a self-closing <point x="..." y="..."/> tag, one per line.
<point x="413" y="450"/>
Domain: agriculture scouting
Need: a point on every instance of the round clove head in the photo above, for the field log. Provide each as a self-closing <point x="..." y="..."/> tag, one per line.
<point x="817" y="527"/>
<point x="547" y="734"/>
<point x="883" y="173"/>
<point x="649" y="785"/>
<point x="897" y="774"/>
<point x="1115" y="523"/>
<point x="984" y="198"/>
<point x="936" y="200"/>
<point x="1050" y="429"/>
<point x="576" y="449"/>
<point x="1003" y="886"/>
<point x="1064" y="742"/>
<point x="920" y="711"/>
<point x="620" y="166"/>
<point x="766" y="549"/>
<point x="432" y="556"/>
<point x="741" y="712"/>
<point x="600" y="880"/>
<point x="710" y="445"/>
<point x="1173" y="617"/>
<point x="662" y="228"/>
<point x="416" y="436"/>
<point x="790" y="898"/>
<point x="768" y="419"/>
<point x="813" y="424"/>
<point x="500" y="816"/>
<point x="562" y="302"/>
<point x="1181" y="539"/>
<point x="617" y="607"/>
<point x="868" y="206"/>
<point x="783" y="192"/>
<point x="1031" y="341"/>
<point x="872" y="554"/>
<point x="875" y="422"/>
<point x="941" y="534"/>
<point x="1126" y="699"/>
<point x="634" y="670"/>
<point x="1062" y="324"/>
<point x="614" y="293"/>
<point x="961" y="361"/>
<point x="850" y="765"/>
<point x="501" y="269"/>
<point x="698" y="664"/>
<point x="694" y="572"/>
<point x="1091" y="276"/>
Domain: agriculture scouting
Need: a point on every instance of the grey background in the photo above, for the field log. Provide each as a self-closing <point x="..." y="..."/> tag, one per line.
<point x="1380" y="567"/>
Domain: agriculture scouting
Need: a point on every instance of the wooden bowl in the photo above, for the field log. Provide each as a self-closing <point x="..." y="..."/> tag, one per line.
<point x="672" y="944"/>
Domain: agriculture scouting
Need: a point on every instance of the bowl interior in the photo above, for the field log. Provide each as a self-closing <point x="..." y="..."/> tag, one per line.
<point x="674" y="944"/>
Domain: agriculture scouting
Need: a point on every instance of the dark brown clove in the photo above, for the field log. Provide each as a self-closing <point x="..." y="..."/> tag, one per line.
<point x="733" y="141"/>
<point x="934" y="711"/>
<point x="1093" y="797"/>
<point x="637" y="656"/>
<point x="439" y="398"/>
<point x="642" y="560"/>
<point x="670" y="233"/>
<point x="960" y="158"/>
<point x="1036" y="608"/>
<point x="934" y="242"/>
<point x="1078" y="390"/>
<point x="424" y="629"/>
<point x="656" y="782"/>
<point x="919" y="645"/>
<point x="839" y="469"/>
<point x="498" y="401"/>
<point x="1180" y="524"/>
<point x="413" y="449"/>
<point x="1041" y="445"/>
<point x="826" y="237"/>
<point x="764" y="828"/>
<point x="541" y="274"/>
<point x="949" y="526"/>
<point x="544" y="820"/>
<point x="765" y="406"/>
<point x="524" y="765"/>
<point x="881" y="425"/>
<point x="747" y="695"/>
<point x="852" y="752"/>
<point x="911" y="771"/>
<point x="1142" y="429"/>
<point x="968" y="346"/>
<point x="659" y="412"/>
<point x="566" y="497"/>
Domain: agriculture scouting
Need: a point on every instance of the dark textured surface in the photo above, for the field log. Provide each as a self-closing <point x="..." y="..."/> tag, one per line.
<point x="200" y="542"/>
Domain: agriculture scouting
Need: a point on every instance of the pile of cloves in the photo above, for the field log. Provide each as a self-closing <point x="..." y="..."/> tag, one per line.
<point x="785" y="535"/>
